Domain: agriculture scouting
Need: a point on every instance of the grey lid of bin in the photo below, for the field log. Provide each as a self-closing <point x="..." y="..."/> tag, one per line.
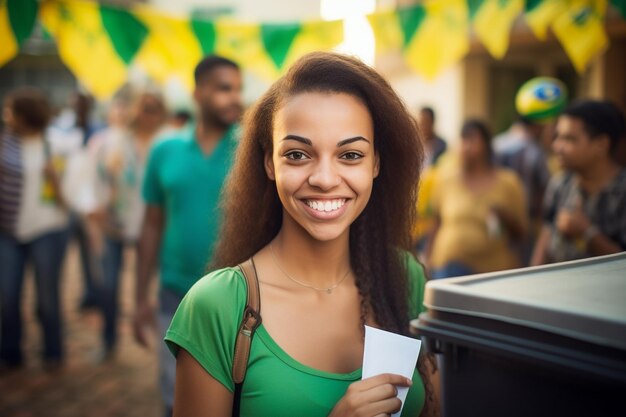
<point x="583" y="299"/>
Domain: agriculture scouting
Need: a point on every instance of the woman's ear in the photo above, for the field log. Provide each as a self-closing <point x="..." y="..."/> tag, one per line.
<point x="376" y="165"/>
<point x="269" y="166"/>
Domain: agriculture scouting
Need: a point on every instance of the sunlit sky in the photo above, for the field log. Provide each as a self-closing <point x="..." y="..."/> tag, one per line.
<point x="358" y="35"/>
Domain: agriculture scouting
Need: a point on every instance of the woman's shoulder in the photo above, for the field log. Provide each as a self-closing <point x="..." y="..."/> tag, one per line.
<point x="219" y="286"/>
<point x="207" y="320"/>
<point x="218" y="297"/>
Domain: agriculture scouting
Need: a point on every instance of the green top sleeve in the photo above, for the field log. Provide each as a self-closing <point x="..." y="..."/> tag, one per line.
<point x="206" y="322"/>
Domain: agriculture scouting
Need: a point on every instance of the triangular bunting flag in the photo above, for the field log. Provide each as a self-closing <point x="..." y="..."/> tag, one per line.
<point x="171" y="48"/>
<point x="84" y="45"/>
<point x="540" y="14"/>
<point x="620" y="5"/>
<point x="126" y="32"/>
<point x="17" y="19"/>
<point x="581" y="32"/>
<point x="441" y="38"/>
<point x="205" y="34"/>
<point x="277" y="40"/>
<point x="492" y="20"/>
<point x="388" y="35"/>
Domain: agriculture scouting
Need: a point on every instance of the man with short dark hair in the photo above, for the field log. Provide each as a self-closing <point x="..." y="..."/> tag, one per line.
<point x="434" y="146"/>
<point x="182" y="185"/>
<point x="584" y="206"/>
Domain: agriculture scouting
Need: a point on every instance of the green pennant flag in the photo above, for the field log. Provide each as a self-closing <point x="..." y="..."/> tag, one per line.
<point x="277" y="40"/>
<point x="474" y="6"/>
<point x="620" y="5"/>
<point x="17" y="19"/>
<point x="410" y="20"/>
<point x="204" y="30"/>
<point x="126" y="32"/>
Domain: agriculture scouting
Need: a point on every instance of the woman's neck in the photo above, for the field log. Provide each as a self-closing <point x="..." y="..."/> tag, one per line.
<point x="476" y="169"/>
<point x="318" y="263"/>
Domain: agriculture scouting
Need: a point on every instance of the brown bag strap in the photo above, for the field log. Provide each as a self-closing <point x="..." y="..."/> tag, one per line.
<point x="251" y="320"/>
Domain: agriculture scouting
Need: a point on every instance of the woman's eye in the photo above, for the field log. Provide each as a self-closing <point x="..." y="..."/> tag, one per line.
<point x="351" y="156"/>
<point x="296" y="155"/>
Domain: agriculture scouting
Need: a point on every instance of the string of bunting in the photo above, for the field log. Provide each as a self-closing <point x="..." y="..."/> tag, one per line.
<point x="99" y="43"/>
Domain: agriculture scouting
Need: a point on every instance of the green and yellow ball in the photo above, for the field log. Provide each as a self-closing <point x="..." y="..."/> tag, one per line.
<point x="541" y="99"/>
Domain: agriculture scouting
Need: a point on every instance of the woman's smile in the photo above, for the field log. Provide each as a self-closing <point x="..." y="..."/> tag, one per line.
<point x="326" y="209"/>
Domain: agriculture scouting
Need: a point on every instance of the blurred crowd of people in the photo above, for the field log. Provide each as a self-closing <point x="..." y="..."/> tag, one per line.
<point x="141" y="182"/>
<point x="518" y="199"/>
<point x="64" y="179"/>
<point x="112" y="189"/>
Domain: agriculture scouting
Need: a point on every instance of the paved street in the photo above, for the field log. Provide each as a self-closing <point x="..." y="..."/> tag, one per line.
<point x="124" y="386"/>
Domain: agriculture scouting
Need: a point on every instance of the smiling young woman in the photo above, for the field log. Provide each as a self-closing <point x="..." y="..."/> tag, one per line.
<point x="321" y="196"/>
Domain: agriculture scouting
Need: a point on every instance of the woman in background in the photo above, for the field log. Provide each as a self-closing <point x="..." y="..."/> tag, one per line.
<point x="33" y="225"/>
<point x="118" y="156"/>
<point x="480" y="211"/>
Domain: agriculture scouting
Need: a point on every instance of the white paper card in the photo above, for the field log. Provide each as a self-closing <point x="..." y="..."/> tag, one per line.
<point x="387" y="352"/>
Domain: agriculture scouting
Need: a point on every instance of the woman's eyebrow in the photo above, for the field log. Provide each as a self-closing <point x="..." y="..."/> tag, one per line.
<point x="339" y="144"/>
<point x="299" y="139"/>
<point x="351" y="140"/>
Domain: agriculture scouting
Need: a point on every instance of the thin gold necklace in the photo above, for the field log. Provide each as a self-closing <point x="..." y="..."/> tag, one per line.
<point x="328" y="290"/>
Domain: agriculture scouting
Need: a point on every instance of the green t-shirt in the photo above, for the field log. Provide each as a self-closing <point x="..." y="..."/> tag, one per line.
<point x="186" y="184"/>
<point x="206" y="325"/>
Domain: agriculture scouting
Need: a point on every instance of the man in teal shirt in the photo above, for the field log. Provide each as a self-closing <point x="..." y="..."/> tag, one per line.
<point x="182" y="186"/>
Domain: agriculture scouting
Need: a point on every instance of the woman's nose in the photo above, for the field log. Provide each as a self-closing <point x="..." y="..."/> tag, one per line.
<point x="324" y="176"/>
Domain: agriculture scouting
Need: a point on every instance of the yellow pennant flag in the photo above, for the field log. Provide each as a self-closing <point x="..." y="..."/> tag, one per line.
<point x="84" y="45"/>
<point x="314" y="36"/>
<point x="441" y="39"/>
<point x="387" y="31"/>
<point x="540" y="14"/>
<point x="580" y="30"/>
<point x="170" y="48"/>
<point x="492" y="22"/>
<point x="9" y="44"/>
<point x="244" y="43"/>
<point x="241" y="42"/>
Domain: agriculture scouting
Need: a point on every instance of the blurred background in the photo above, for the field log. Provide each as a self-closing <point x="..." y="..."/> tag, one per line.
<point x="462" y="59"/>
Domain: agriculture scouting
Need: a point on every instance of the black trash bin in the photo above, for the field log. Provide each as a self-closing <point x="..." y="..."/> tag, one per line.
<point x="542" y="341"/>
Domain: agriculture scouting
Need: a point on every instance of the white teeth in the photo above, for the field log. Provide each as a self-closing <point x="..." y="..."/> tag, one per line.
<point x="326" y="205"/>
